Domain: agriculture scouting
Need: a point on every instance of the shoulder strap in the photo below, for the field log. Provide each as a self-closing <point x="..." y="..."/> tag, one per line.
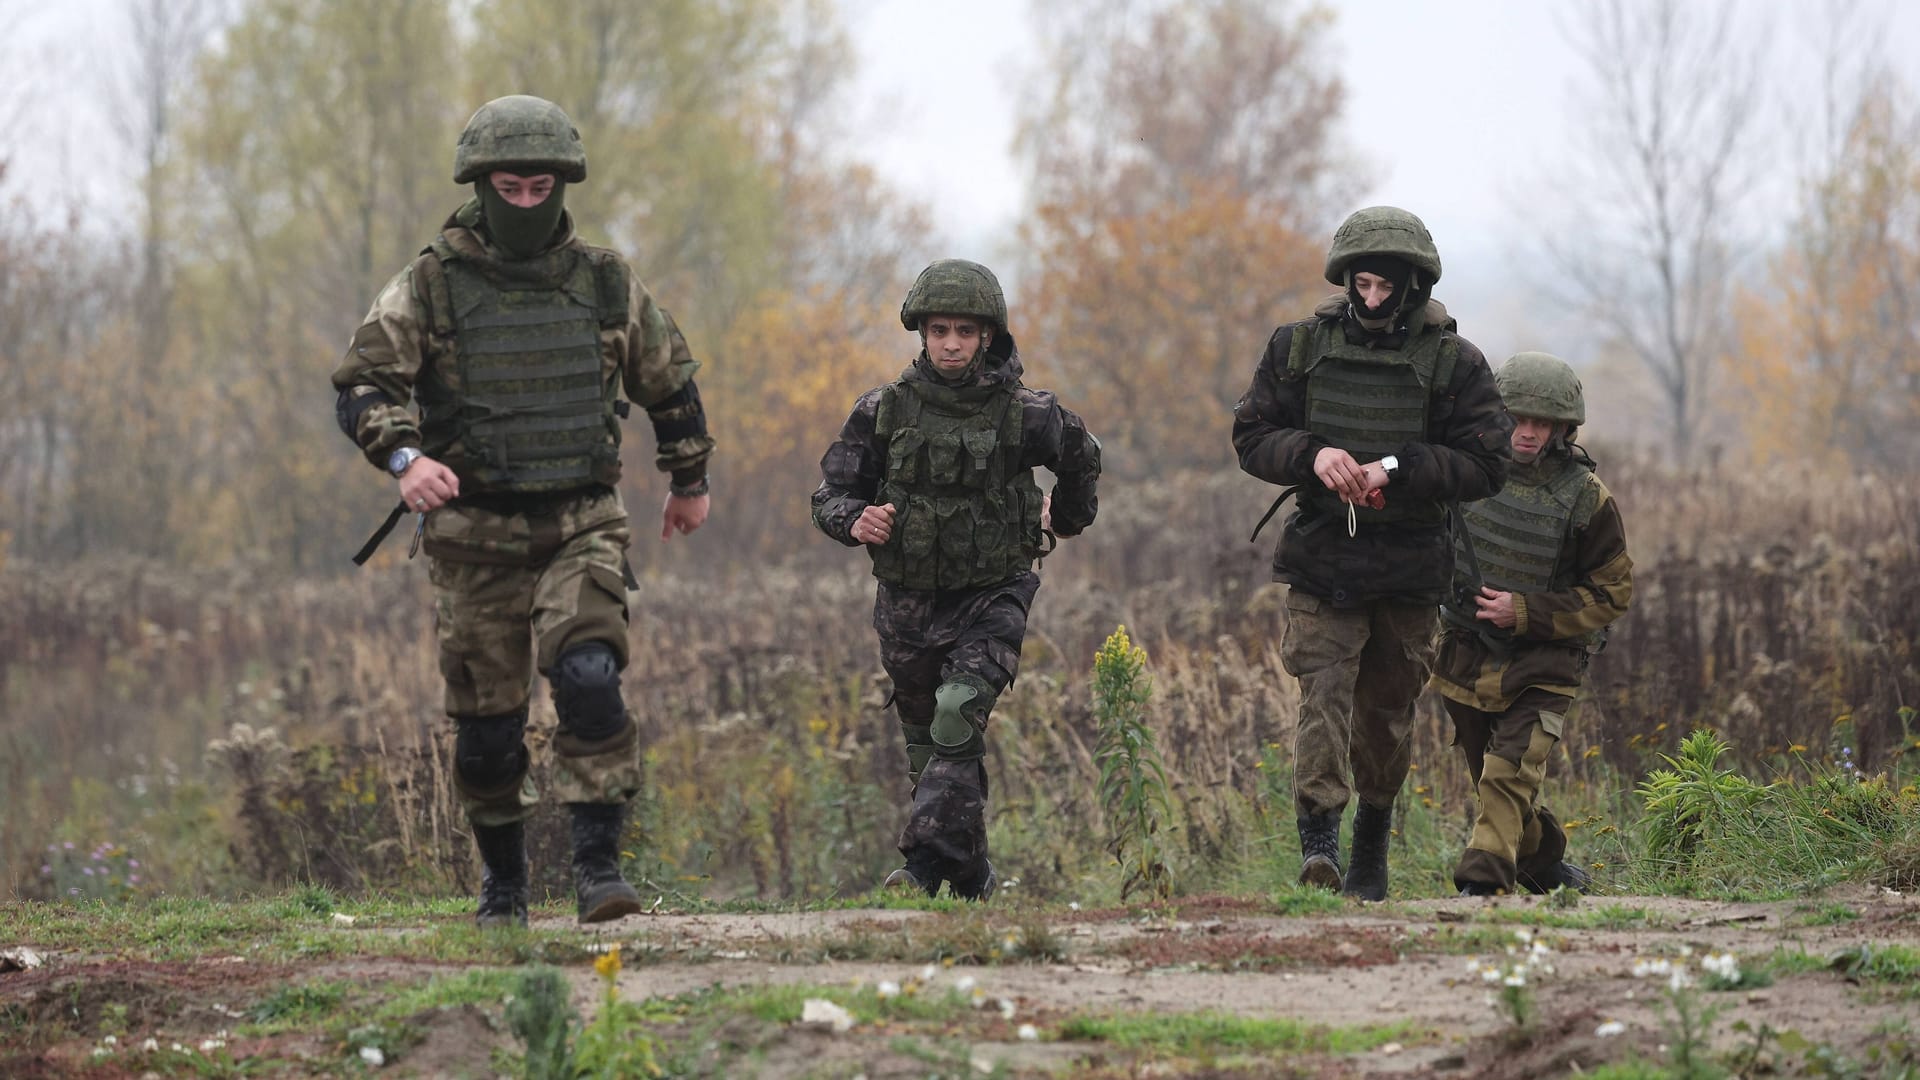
<point x="431" y="266"/>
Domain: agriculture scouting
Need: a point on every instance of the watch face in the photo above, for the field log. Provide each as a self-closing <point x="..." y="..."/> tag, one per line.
<point x="398" y="461"/>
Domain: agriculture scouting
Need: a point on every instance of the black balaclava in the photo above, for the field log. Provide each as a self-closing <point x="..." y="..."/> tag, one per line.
<point x="1396" y="270"/>
<point x="521" y="232"/>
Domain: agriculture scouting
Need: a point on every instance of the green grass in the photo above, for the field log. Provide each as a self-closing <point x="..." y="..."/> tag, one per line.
<point x="1212" y="1033"/>
<point x="1604" y="917"/>
<point x="1306" y="900"/>
<point x="1823" y="914"/>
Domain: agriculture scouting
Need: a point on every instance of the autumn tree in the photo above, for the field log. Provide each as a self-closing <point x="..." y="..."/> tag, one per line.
<point x="1184" y="169"/>
<point x="1648" y="244"/>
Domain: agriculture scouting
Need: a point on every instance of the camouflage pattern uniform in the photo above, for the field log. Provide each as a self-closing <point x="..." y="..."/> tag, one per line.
<point x="955" y="577"/>
<point x="1554" y="539"/>
<point x="517" y="363"/>
<point x="1361" y="607"/>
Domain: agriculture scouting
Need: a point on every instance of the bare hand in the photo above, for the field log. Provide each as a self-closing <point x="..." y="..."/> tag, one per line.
<point x="875" y="525"/>
<point x="1495" y="607"/>
<point x="683" y="514"/>
<point x="1343" y="476"/>
<point x="428" y="485"/>
<point x="1046" y="512"/>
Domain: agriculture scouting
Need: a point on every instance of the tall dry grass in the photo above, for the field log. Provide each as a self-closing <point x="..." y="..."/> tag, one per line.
<point x="240" y="731"/>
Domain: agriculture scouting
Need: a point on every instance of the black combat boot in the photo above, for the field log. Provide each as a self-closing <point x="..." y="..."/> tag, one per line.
<point x="1320" y="850"/>
<point x="917" y="876"/>
<point x="977" y="885"/>
<point x="602" y="892"/>
<point x="1367" y="870"/>
<point x="1560" y="873"/>
<point x="503" y="881"/>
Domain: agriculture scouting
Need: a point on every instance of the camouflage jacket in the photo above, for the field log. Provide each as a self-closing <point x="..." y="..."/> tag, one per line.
<point x="1548" y="650"/>
<point x="1052" y="437"/>
<point x="1464" y="457"/>
<point x="394" y="349"/>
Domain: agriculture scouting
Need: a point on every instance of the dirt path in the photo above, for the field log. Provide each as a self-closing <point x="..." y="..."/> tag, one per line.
<point x="1406" y="963"/>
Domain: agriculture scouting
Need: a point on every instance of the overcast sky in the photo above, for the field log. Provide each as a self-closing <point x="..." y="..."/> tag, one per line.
<point x="1459" y="110"/>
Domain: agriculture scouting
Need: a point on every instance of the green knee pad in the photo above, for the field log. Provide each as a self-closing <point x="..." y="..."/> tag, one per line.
<point x="919" y="748"/>
<point x="960" y="717"/>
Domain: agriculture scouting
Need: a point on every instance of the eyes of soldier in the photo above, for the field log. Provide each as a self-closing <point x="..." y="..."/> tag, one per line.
<point x="523" y="191"/>
<point x="1373" y="288"/>
<point x="943" y="334"/>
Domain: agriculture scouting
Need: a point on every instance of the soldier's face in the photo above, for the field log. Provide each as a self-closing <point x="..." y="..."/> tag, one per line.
<point x="1374" y="290"/>
<point x="1530" y="436"/>
<point x="524" y="192"/>
<point x="953" y="341"/>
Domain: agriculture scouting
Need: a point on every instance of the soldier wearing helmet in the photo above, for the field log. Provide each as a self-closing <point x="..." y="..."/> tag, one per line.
<point x="1377" y="415"/>
<point x="1542" y="572"/>
<point x="516" y="340"/>
<point x="933" y="475"/>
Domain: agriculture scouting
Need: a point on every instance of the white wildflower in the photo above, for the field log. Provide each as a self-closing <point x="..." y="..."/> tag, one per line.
<point x="1679" y="980"/>
<point x="373" y="1056"/>
<point x="1523" y="935"/>
<point x="208" y="1046"/>
<point x="110" y="1040"/>
<point x="1073" y="905"/>
<point x="1656" y="968"/>
<point x="964" y="983"/>
<point x="1006" y="1008"/>
<point x="1489" y="974"/>
<point x="928" y="973"/>
<point x="150" y="1046"/>
<point x="887" y="988"/>
<point x="821" y="1011"/>
<point x="1028" y="1033"/>
<point x="1725" y="965"/>
<point x="1516" y="977"/>
<point x="1609" y="1029"/>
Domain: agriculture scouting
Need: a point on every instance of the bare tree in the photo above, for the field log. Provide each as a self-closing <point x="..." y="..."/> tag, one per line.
<point x="1653" y="240"/>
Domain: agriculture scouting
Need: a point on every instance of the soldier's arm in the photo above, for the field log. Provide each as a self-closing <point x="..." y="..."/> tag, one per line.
<point x="1603" y="592"/>
<point x="657" y="373"/>
<point x="850" y="473"/>
<point x="1056" y="439"/>
<point x="1270" y="420"/>
<point x="1466" y="455"/>
<point x="375" y="379"/>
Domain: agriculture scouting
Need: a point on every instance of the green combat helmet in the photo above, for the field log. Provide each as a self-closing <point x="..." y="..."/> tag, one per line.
<point x="1541" y="386"/>
<point x="1383" y="230"/>
<point x="955" y="287"/>
<point x="517" y="132"/>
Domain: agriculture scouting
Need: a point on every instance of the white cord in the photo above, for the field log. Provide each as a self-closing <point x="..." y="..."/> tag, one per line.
<point x="1353" y="522"/>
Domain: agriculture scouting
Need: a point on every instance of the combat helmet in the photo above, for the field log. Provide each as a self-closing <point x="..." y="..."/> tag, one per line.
<point x="1383" y="230"/>
<point x="517" y="132"/>
<point x="1542" y="386"/>
<point x="955" y="287"/>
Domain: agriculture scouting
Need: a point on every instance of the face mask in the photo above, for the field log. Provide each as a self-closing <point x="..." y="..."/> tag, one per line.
<point x="521" y="232"/>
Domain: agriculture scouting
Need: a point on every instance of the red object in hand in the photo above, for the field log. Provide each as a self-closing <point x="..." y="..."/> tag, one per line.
<point x="1377" y="499"/>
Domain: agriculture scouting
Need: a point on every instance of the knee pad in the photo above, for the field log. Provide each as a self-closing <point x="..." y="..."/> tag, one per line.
<point x="488" y="752"/>
<point x="960" y="717"/>
<point x="586" y="692"/>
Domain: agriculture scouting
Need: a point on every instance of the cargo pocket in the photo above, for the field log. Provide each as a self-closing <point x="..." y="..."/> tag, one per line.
<point x="465" y="535"/>
<point x="956" y="543"/>
<point x="981" y="446"/>
<point x="903" y="457"/>
<point x="918" y="530"/>
<point x="943" y="458"/>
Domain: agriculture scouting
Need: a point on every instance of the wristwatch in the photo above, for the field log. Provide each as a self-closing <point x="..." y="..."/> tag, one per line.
<point x="402" y="459"/>
<point x="1390" y="465"/>
<point x="690" y="491"/>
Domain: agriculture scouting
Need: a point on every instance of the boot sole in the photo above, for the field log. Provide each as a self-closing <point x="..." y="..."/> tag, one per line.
<point x="1321" y="873"/>
<point x="613" y="907"/>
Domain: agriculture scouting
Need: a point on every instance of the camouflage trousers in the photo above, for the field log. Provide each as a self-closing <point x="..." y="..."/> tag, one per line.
<point x="929" y="641"/>
<point x="512" y="592"/>
<point x="1360" y="670"/>
<point x="1507" y="754"/>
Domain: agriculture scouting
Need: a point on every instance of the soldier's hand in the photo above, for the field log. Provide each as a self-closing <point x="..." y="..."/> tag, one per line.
<point x="1495" y="607"/>
<point x="1342" y="475"/>
<point x="683" y="514"/>
<point x="875" y="525"/>
<point x="428" y="485"/>
<point x="1046" y="512"/>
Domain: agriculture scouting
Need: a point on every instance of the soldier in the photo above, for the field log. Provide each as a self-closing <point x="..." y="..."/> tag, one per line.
<point x="516" y="338"/>
<point x="1377" y="415"/>
<point x="1545" y="570"/>
<point x="933" y="473"/>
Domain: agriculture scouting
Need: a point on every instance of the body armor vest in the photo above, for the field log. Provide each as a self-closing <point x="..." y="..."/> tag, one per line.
<point x="1370" y="402"/>
<point x="528" y="406"/>
<point x="966" y="515"/>
<point x="1517" y="536"/>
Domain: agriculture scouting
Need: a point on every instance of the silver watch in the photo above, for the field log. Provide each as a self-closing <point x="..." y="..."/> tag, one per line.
<point x="402" y="459"/>
<point x="1390" y="465"/>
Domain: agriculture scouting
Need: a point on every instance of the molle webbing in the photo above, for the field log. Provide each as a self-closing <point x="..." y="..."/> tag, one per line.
<point x="1518" y="532"/>
<point x="532" y="408"/>
<point x="966" y="515"/>
<point x="1370" y="403"/>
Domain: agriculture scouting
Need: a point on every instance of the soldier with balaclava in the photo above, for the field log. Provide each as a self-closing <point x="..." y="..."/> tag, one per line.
<point x="933" y="475"/>
<point x="1542" y="571"/>
<point x="516" y="340"/>
<point x="1377" y="415"/>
